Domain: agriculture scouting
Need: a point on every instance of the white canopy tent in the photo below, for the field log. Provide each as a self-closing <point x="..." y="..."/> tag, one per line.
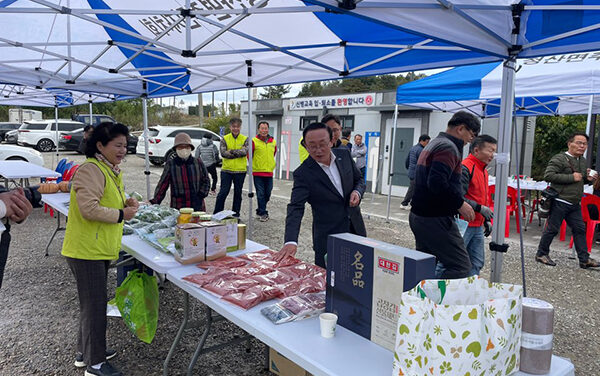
<point x="159" y="48"/>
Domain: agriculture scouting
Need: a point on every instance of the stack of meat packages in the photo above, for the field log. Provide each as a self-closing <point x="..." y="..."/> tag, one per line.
<point x="253" y="278"/>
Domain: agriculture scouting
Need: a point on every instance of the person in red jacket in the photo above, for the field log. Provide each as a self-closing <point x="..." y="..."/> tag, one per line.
<point x="474" y="181"/>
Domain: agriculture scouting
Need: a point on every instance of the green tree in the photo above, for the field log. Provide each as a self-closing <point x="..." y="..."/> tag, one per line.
<point x="273" y="92"/>
<point x="551" y="134"/>
<point x="311" y="89"/>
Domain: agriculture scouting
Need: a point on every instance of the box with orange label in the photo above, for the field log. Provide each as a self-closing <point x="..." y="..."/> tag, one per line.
<point x="189" y="240"/>
<point x="216" y="240"/>
<point x="365" y="281"/>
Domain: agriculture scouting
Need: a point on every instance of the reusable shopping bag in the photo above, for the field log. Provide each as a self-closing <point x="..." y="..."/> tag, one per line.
<point x="459" y="327"/>
<point x="137" y="300"/>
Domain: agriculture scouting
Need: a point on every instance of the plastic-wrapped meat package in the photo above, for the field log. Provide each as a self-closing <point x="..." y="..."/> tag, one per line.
<point x="201" y="279"/>
<point x="223" y="262"/>
<point x="295" y="308"/>
<point x="252" y="269"/>
<point x="276" y="277"/>
<point x="252" y="296"/>
<point x="303" y="269"/>
<point x="289" y="260"/>
<point x="233" y="284"/>
<point x="297" y="287"/>
<point x="260" y="255"/>
<point x="304" y="305"/>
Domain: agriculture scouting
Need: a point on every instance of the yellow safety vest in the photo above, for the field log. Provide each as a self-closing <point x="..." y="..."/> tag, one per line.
<point x="302" y="152"/>
<point x="263" y="158"/>
<point x="94" y="240"/>
<point x="233" y="143"/>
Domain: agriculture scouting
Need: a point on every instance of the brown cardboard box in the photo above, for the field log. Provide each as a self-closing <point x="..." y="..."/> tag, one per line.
<point x="282" y="366"/>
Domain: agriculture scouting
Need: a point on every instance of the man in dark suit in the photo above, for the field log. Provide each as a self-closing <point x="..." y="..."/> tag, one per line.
<point x="357" y="225"/>
<point x="330" y="182"/>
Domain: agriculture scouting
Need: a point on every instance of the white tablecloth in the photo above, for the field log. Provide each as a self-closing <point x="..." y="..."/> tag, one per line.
<point x="345" y="354"/>
<point x="25" y="170"/>
<point x="532" y="185"/>
<point x="59" y="201"/>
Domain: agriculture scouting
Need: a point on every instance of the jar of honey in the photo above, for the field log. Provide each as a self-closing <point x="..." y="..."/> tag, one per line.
<point x="196" y="217"/>
<point x="185" y="215"/>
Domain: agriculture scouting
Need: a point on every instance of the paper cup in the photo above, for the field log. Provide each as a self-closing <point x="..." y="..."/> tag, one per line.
<point x="593" y="173"/>
<point x="328" y="322"/>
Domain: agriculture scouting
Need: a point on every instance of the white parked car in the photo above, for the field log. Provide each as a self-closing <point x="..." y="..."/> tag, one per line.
<point x="161" y="140"/>
<point x="41" y="134"/>
<point x="18" y="153"/>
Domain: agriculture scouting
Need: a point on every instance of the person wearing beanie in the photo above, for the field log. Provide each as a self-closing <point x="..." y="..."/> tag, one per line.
<point x="185" y="175"/>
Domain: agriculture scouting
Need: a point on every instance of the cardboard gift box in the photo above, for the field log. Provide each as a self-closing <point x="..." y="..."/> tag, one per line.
<point x="232" y="233"/>
<point x="365" y="281"/>
<point x="190" y="239"/>
<point x="216" y="240"/>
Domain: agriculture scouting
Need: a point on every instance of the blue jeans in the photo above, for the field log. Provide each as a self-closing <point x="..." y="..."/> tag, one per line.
<point x="264" y="186"/>
<point x="475" y="247"/>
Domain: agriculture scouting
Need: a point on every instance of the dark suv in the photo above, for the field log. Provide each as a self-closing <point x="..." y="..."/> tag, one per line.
<point x="5" y="127"/>
<point x="96" y="119"/>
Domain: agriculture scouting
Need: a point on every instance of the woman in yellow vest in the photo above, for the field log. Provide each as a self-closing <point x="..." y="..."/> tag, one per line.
<point x="97" y="210"/>
<point x="234" y="148"/>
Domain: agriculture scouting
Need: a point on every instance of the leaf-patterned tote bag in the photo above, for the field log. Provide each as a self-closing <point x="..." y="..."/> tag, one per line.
<point x="466" y="327"/>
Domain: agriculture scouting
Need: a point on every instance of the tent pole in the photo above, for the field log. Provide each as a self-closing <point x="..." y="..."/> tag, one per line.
<point x="391" y="164"/>
<point x="250" y="128"/>
<point x="588" y="124"/>
<point x="90" y="105"/>
<point x="56" y="127"/>
<point x="497" y="246"/>
<point x="146" y="145"/>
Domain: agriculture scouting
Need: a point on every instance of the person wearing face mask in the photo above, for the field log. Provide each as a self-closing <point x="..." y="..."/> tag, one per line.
<point x="185" y="175"/>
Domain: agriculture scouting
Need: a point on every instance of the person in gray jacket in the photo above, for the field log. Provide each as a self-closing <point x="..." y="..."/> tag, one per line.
<point x="359" y="151"/>
<point x="209" y="154"/>
<point x="411" y="164"/>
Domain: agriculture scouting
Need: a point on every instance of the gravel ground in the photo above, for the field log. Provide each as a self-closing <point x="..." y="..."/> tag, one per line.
<point x="39" y="309"/>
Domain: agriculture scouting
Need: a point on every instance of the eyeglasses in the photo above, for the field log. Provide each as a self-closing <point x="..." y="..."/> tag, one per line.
<point x="580" y="143"/>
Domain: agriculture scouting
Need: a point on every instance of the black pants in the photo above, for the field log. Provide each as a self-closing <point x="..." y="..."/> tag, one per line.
<point x="212" y="170"/>
<point x="439" y="236"/>
<point x="238" y="182"/>
<point x="409" y="193"/>
<point x="4" y="244"/>
<point x="91" y="277"/>
<point x="572" y="214"/>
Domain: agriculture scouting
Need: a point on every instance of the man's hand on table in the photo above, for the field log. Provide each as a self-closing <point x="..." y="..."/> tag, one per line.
<point x="287" y="250"/>
<point x="17" y="205"/>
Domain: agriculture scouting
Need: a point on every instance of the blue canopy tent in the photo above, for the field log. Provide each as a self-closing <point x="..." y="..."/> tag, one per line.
<point x="158" y="48"/>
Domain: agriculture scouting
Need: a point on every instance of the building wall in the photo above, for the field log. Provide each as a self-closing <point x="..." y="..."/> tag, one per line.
<point x="376" y="118"/>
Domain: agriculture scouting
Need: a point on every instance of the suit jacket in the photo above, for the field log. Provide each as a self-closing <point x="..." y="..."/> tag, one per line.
<point x="331" y="211"/>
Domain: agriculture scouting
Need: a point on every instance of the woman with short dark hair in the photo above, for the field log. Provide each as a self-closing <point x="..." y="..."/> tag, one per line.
<point x="97" y="210"/>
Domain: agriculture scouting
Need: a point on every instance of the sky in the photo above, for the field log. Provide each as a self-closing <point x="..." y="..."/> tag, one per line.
<point x="242" y="94"/>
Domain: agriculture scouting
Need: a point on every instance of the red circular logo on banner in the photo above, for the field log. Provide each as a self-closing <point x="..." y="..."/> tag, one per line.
<point x="369" y="100"/>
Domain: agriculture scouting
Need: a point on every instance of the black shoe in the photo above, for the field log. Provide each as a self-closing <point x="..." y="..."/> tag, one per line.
<point x="591" y="263"/>
<point x="545" y="259"/>
<point x="80" y="363"/>
<point x="106" y="369"/>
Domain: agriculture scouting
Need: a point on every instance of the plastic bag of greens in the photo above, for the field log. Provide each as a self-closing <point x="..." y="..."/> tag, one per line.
<point x="137" y="300"/>
<point x="128" y="230"/>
